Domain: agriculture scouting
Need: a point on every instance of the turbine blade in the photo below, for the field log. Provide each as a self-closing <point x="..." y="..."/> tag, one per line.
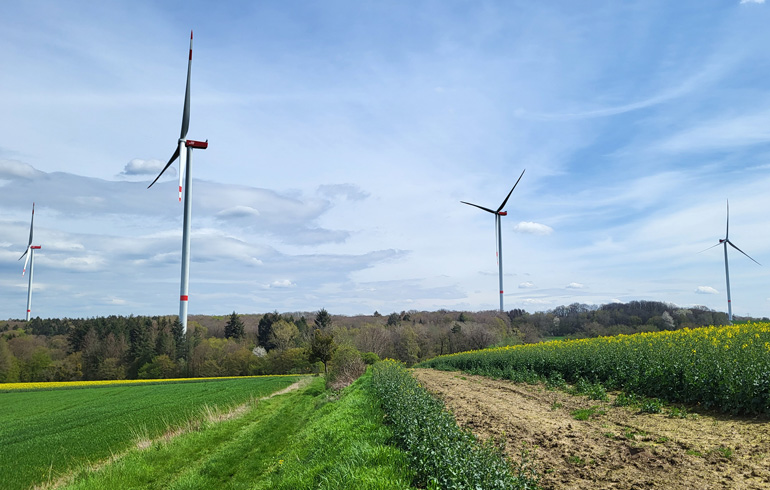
<point x="727" y="231"/>
<point x="186" y="111"/>
<point x="741" y="251"/>
<point x="25" y="263"/>
<point x="480" y="207"/>
<point x="716" y="245"/>
<point x="171" y="160"/>
<point x="31" y="225"/>
<point x="512" y="188"/>
<point x="182" y="166"/>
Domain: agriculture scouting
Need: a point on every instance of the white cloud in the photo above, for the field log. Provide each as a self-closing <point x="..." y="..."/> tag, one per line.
<point x="752" y="1"/>
<point x="532" y="228"/>
<point x="575" y="285"/>
<point x="706" y="290"/>
<point x="526" y="285"/>
<point x="536" y="301"/>
<point x="147" y="167"/>
<point x="12" y="169"/>
<point x="283" y="283"/>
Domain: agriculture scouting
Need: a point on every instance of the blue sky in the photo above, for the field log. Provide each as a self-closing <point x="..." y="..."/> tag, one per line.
<point x="343" y="136"/>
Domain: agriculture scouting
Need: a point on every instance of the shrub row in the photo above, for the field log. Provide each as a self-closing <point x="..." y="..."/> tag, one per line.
<point x="442" y="454"/>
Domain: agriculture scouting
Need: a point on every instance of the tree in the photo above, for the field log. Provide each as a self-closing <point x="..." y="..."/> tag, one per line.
<point x="322" y="348"/>
<point x="234" y="327"/>
<point x="265" y="328"/>
<point x="323" y="320"/>
<point x="8" y="370"/>
<point x="180" y="344"/>
<point x="283" y="334"/>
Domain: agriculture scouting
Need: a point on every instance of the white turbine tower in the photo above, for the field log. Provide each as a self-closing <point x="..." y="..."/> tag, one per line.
<point x="499" y="233"/>
<point x="30" y="254"/>
<point x="184" y="152"/>
<point x="725" y="242"/>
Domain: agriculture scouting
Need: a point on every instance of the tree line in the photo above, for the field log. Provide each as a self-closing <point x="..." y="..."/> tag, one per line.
<point x="135" y="347"/>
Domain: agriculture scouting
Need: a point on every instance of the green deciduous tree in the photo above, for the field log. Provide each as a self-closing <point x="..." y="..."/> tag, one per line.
<point x="283" y="335"/>
<point x="322" y="348"/>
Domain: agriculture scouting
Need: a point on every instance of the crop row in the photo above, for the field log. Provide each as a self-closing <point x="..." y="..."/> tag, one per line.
<point x="724" y="368"/>
<point x="442" y="454"/>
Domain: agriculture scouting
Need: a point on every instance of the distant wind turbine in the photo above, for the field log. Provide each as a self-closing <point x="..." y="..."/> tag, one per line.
<point x="30" y="254"/>
<point x="499" y="233"/>
<point x="726" y="241"/>
<point x="184" y="152"/>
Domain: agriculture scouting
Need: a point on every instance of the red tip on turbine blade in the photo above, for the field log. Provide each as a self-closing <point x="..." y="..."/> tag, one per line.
<point x="183" y="298"/>
<point x="501" y="292"/>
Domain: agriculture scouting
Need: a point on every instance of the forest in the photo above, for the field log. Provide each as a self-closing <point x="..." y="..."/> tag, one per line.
<point x="136" y="347"/>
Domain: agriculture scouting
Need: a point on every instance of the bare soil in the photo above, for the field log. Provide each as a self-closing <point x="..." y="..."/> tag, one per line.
<point x="617" y="447"/>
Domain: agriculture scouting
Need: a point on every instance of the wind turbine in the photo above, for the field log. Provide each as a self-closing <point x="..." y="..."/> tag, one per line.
<point x="498" y="232"/>
<point x="726" y="241"/>
<point x="30" y="253"/>
<point x="184" y="152"/>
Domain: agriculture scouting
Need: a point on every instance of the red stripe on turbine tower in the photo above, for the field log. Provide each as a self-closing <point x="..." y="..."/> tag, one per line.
<point x="184" y="298"/>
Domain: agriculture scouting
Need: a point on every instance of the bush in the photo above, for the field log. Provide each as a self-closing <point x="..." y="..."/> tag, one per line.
<point x="346" y="366"/>
<point x="370" y="358"/>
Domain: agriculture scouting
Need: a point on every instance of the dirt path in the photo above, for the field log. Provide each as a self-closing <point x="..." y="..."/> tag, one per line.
<point x="617" y="447"/>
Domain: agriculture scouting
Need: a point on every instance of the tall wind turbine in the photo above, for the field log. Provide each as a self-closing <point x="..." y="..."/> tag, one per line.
<point x="498" y="232"/>
<point x="725" y="242"/>
<point x="30" y="254"/>
<point x="184" y="152"/>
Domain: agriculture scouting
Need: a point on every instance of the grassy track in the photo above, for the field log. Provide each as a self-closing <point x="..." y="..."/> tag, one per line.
<point x="299" y="440"/>
<point x="46" y="433"/>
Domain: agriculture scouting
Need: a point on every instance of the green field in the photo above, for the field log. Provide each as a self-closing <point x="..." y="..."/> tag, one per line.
<point x="45" y="433"/>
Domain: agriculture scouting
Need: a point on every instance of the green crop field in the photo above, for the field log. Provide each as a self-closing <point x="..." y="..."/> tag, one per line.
<point x="44" y="433"/>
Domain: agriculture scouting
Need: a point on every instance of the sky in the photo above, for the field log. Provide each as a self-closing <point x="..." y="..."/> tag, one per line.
<point x="344" y="134"/>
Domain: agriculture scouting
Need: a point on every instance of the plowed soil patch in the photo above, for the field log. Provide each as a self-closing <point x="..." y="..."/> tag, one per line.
<point x="616" y="447"/>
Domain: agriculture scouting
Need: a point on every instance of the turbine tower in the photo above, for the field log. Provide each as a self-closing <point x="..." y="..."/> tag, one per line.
<point x="30" y="253"/>
<point x="184" y="152"/>
<point x="498" y="233"/>
<point x="725" y="242"/>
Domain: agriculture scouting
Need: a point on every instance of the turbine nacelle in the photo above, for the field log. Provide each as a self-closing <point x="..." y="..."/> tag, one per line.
<point x="502" y="213"/>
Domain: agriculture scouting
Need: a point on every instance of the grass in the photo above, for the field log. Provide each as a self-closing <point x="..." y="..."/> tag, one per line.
<point x="587" y="413"/>
<point x="299" y="440"/>
<point x="46" y="433"/>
